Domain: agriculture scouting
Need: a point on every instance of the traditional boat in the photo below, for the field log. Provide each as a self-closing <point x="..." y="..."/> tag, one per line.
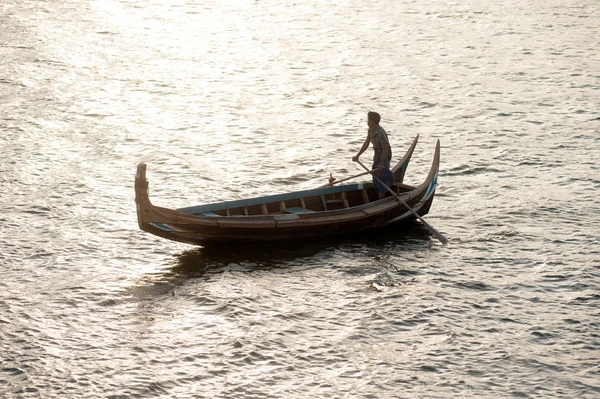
<point x="319" y="212"/>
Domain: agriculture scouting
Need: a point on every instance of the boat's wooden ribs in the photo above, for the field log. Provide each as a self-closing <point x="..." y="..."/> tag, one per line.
<point x="365" y="196"/>
<point x="320" y="203"/>
<point x="345" y="199"/>
<point x="324" y="202"/>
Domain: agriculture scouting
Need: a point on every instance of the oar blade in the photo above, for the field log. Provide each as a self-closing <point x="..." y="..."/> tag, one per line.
<point x="434" y="232"/>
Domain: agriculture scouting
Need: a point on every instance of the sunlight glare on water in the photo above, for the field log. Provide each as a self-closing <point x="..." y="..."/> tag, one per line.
<point x="232" y="99"/>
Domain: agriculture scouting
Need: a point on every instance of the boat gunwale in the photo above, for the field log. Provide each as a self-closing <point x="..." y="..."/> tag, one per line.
<point x="184" y="218"/>
<point x="268" y="199"/>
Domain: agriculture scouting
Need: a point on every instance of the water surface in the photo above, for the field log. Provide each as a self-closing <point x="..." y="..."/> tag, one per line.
<point x="229" y="99"/>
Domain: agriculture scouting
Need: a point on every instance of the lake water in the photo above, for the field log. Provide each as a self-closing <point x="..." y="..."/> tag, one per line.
<point x="229" y="99"/>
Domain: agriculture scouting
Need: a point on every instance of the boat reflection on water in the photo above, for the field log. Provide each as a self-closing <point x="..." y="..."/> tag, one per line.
<point x="344" y="253"/>
<point x="198" y="262"/>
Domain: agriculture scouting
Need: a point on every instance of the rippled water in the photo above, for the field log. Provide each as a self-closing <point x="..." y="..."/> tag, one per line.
<point x="230" y="99"/>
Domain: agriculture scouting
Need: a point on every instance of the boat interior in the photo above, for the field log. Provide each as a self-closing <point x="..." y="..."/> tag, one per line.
<point x="301" y="202"/>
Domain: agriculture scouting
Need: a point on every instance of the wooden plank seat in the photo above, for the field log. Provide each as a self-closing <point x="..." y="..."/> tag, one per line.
<point x="298" y="210"/>
<point x="402" y="185"/>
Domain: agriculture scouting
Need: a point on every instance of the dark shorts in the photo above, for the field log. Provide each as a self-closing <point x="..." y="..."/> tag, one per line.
<point x="386" y="176"/>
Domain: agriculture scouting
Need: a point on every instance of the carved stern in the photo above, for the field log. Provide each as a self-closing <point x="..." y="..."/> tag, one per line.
<point x="141" y="192"/>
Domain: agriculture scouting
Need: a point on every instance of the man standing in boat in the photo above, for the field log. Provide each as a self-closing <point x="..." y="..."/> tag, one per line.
<point x="383" y="152"/>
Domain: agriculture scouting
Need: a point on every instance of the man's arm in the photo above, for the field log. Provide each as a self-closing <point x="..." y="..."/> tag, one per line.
<point x="363" y="148"/>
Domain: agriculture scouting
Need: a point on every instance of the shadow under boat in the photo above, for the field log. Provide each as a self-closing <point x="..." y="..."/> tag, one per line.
<point x="198" y="262"/>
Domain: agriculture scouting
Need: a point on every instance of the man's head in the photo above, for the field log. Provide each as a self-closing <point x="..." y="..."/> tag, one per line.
<point x="373" y="119"/>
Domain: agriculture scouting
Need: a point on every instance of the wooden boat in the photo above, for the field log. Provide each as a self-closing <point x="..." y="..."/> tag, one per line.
<point x="296" y="215"/>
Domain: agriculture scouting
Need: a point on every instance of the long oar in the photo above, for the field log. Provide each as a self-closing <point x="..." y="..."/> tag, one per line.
<point x="349" y="178"/>
<point x="433" y="231"/>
